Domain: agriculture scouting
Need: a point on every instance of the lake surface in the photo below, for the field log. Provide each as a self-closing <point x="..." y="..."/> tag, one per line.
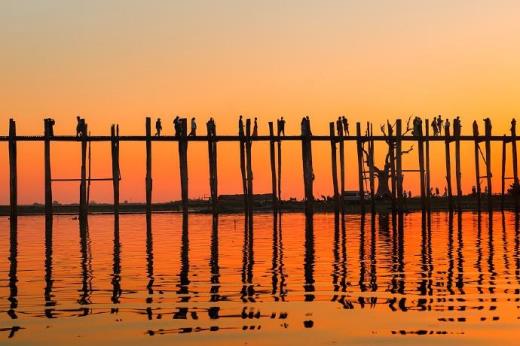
<point x="289" y="280"/>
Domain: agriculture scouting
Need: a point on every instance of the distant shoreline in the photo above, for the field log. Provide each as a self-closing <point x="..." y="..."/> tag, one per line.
<point x="468" y="203"/>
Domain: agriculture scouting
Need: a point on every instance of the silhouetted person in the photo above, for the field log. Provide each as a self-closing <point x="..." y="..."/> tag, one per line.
<point x="434" y="127"/>
<point x="281" y="126"/>
<point x="211" y="127"/>
<point x="80" y="126"/>
<point x="473" y="190"/>
<point x="457" y="127"/>
<point x="439" y="123"/>
<point x="158" y="127"/>
<point x="446" y="126"/>
<point x="255" y="128"/>
<point x="437" y="191"/>
<point x="339" y="125"/>
<point x="193" y="131"/>
<point x="241" y="126"/>
<point x="345" y="125"/>
<point x="176" y="126"/>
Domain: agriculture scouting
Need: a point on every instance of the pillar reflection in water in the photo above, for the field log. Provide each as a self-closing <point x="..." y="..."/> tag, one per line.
<point x="13" y="269"/>
<point x="50" y="303"/>
<point x="86" y="267"/>
<point x="248" y="260"/>
<point x="213" y="311"/>
<point x="116" y="268"/>
<point x="279" y="284"/>
<point x="184" y="281"/>
<point x="149" y="265"/>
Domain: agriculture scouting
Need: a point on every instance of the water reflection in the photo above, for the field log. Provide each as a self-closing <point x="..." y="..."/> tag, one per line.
<point x="421" y="274"/>
<point x="279" y="284"/>
<point x="48" y="295"/>
<point x="248" y="261"/>
<point x="13" y="269"/>
<point x="86" y="268"/>
<point x="149" y="266"/>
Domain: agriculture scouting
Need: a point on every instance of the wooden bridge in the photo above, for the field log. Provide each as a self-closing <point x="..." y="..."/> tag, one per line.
<point x="394" y="136"/>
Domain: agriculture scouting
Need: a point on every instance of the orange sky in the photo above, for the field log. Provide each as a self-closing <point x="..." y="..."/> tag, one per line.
<point x="118" y="61"/>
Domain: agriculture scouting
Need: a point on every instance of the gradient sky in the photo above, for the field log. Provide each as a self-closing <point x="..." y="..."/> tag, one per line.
<point x="118" y="61"/>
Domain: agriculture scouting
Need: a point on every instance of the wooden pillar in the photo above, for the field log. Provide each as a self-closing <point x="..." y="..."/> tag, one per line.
<point x="515" y="160"/>
<point x="399" y="164"/>
<point x="212" y="153"/>
<point x="488" y="164"/>
<point x="359" y="143"/>
<point x="47" y="125"/>
<point x="391" y="150"/>
<point x="342" y="168"/>
<point x="503" y="180"/>
<point x="448" y="167"/>
<point x="13" y="179"/>
<point x="83" y="207"/>
<point x="371" y="168"/>
<point x="114" y="141"/>
<point x="243" y="167"/>
<point x="279" y="155"/>
<point x="428" y="177"/>
<point x="249" y="168"/>
<point x="458" y="173"/>
<point x="273" y="165"/>
<point x="148" y="167"/>
<point x="183" y="163"/>
<point x="334" y="166"/>
<point x="308" y="175"/>
<point x="420" y="143"/>
<point x="477" y="164"/>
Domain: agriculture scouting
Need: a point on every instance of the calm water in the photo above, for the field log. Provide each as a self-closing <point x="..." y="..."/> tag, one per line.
<point x="287" y="281"/>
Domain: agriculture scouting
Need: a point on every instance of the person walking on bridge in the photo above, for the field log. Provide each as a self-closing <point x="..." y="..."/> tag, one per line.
<point x="158" y="127"/>
<point x="193" y="128"/>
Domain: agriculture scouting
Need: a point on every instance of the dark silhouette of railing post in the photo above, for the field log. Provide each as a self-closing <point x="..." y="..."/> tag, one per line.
<point x="47" y="132"/>
<point x="399" y="164"/>
<point x="359" y="147"/>
<point x="420" y="144"/>
<point x="391" y="150"/>
<point x="308" y="175"/>
<point x="148" y="167"/>
<point x="448" y="166"/>
<point x="114" y="141"/>
<point x="371" y="168"/>
<point x="487" y="128"/>
<point x="212" y="153"/>
<point x="515" y="162"/>
<point x="13" y="179"/>
<point x="273" y="165"/>
<point x="342" y="168"/>
<point x="428" y="177"/>
<point x="279" y="154"/>
<point x="458" y="173"/>
<point x="334" y="166"/>
<point x="243" y="166"/>
<point x="503" y="177"/>
<point x="478" y="189"/>
<point x="83" y="204"/>
<point x="249" y="168"/>
<point x="183" y="162"/>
